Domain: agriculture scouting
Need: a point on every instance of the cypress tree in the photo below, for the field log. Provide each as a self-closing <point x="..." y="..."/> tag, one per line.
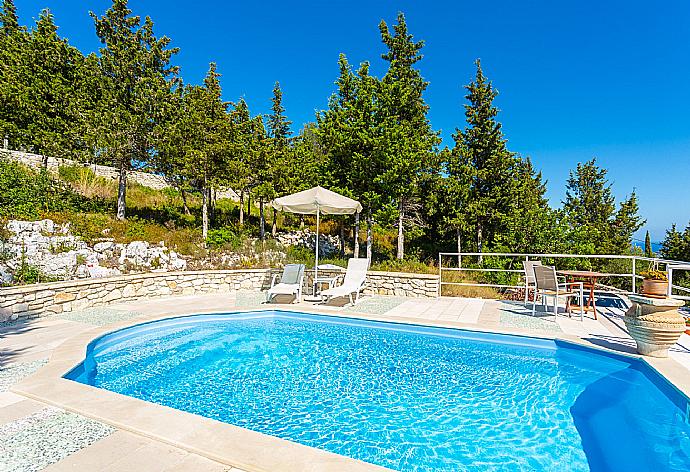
<point x="648" y="245"/>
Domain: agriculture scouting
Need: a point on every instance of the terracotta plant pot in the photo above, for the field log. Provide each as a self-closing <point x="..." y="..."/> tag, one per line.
<point x="655" y="288"/>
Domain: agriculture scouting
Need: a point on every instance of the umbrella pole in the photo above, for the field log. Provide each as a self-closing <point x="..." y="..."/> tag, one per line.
<point x="316" y="266"/>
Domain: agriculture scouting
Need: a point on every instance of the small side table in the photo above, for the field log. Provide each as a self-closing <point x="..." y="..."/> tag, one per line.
<point x="654" y="324"/>
<point x="324" y="280"/>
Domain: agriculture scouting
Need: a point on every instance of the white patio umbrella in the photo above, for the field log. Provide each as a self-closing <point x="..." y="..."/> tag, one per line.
<point x="316" y="201"/>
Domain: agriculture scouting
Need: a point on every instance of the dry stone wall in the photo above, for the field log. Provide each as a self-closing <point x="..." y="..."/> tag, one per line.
<point x="146" y="179"/>
<point x="30" y="301"/>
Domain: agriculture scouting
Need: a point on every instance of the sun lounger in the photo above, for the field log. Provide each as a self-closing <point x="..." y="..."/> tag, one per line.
<point x="290" y="282"/>
<point x="353" y="281"/>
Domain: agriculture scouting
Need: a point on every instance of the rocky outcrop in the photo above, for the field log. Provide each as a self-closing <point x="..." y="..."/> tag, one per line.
<point x="328" y="245"/>
<point x="59" y="255"/>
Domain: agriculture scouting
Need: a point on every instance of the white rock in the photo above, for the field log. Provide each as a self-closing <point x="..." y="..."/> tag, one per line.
<point x="5" y="275"/>
<point x="104" y="246"/>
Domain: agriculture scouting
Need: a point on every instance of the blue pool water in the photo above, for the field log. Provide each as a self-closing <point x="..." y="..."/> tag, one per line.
<point x="404" y="397"/>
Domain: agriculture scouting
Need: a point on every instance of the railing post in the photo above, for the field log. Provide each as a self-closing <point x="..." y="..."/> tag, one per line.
<point x="669" y="272"/>
<point x="440" y="256"/>
<point x="633" y="273"/>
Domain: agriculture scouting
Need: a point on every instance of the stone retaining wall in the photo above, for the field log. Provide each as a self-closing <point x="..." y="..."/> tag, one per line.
<point x="44" y="299"/>
<point x="40" y="299"/>
<point x="402" y="284"/>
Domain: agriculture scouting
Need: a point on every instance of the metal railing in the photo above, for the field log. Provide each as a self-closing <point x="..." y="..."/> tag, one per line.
<point x="453" y="262"/>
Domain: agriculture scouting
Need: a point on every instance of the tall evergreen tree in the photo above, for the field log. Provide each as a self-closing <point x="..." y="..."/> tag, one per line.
<point x="14" y="65"/>
<point x="531" y="222"/>
<point x="137" y="71"/>
<point x="590" y="209"/>
<point x="62" y="98"/>
<point x="625" y="223"/>
<point x="490" y="165"/>
<point x="648" y="245"/>
<point x="210" y="146"/>
<point x="350" y="133"/>
<point x="279" y="133"/>
<point x="241" y="152"/>
<point x="676" y="244"/>
<point x="410" y="141"/>
<point x="171" y="159"/>
<point x="9" y="20"/>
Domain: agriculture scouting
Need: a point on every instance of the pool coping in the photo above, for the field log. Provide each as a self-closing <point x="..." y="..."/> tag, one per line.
<point x="226" y="443"/>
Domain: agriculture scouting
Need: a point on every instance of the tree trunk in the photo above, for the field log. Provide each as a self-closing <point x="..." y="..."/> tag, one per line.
<point x="401" y="234"/>
<point x="204" y="213"/>
<point x="122" y="191"/>
<point x="301" y="222"/>
<point x="356" y="235"/>
<point x="212" y="206"/>
<point x="262" y="220"/>
<point x="342" y="238"/>
<point x="479" y="242"/>
<point x="184" y="202"/>
<point x="242" y="208"/>
<point x="458" y="240"/>
<point x="274" y="223"/>
<point x="370" y="239"/>
<point x="249" y="205"/>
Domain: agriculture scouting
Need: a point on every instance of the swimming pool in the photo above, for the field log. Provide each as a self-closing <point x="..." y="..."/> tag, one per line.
<point x="402" y="396"/>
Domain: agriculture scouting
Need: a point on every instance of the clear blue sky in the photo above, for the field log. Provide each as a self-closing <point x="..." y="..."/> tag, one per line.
<point x="577" y="79"/>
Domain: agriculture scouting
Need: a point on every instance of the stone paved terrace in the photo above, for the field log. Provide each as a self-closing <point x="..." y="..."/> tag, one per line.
<point x="34" y="436"/>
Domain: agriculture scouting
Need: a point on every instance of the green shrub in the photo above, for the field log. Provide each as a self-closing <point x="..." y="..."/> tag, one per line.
<point x="224" y="237"/>
<point x="26" y="194"/>
<point x="30" y="274"/>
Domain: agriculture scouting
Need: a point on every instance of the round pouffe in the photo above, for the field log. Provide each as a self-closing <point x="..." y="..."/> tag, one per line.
<point x="654" y="324"/>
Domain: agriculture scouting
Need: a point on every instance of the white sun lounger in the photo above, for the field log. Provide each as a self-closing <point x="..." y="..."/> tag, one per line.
<point x="290" y="282"/>
<point x="353" y="282"/>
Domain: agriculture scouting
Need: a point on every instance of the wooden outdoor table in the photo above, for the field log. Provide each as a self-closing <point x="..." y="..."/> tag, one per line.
<point x="589" y="279"/>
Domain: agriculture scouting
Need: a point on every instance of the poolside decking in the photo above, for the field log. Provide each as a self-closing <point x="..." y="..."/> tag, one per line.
<point x="34" y="435"/>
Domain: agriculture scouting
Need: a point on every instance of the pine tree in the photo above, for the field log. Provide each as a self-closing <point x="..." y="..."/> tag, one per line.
<point x="490" y="166"/>
<point x="138" y="76"/>
<point x="410" y="141"/>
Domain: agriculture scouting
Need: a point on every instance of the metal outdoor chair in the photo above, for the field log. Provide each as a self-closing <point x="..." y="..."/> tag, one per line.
<point x="547" y="285"/>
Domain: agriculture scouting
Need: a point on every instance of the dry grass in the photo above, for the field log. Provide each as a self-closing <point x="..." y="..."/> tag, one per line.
<point x="466" y="290"/>
<point x="95" y="226"/>
<point x="85" y="182"/>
